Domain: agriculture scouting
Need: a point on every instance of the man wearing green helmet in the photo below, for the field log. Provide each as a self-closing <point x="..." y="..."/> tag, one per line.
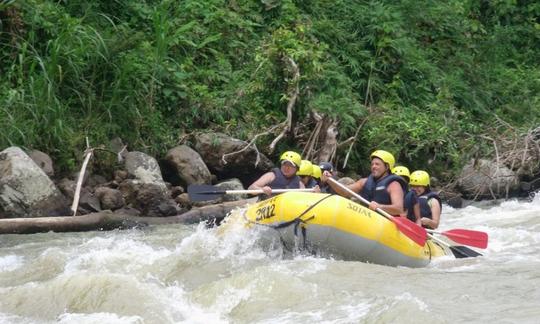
<point x="283" y="177"/>
<point x="382" y="188"/>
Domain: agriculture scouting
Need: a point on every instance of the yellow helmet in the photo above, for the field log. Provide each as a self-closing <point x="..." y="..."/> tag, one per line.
<point x="386" y="156"/>
<point x="292" y="157"/>
<point x="306" y="168"/>
<point x="317" y="172"/>
<point x="401" y="171"/>
<point x="419" y="178"/>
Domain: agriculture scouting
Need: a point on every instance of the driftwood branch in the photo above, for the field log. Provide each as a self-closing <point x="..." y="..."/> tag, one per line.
<point x="76" y="197"/>
<point x="252" y="142"/>
<point x="354" y="141"/>
<point x="294" y="91"/>
<point x="329" y="146"/>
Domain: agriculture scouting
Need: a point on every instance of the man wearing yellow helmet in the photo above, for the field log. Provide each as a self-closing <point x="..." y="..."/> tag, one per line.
<point x="283" y="177"/>
<point x="429" y="201"/>
<point x="382" y="188"/>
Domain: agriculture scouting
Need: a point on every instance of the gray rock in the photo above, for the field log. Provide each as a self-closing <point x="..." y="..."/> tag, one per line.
<point x="486" y="179"/>
<point x="182" y="165"/>
<point x="43" y="161"/>
<point x="110" y="198"/>
<point x="25" y="189"/>
<point x="246" y="165"/>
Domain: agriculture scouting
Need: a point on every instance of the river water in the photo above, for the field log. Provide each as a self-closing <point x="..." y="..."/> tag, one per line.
<point x="193" y="274"/>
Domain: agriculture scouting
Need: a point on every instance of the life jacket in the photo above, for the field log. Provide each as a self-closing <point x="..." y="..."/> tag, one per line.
<point x="281" y="182"/>
<point x="376" y="190"/>
<point x="325" y="188"/>
<point x="408" y="204"/>
<point x="425" y="210"/>
<point x="311" y="184"/>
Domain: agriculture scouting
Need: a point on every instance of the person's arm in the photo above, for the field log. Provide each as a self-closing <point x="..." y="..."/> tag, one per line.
<point x="396" y="197"/>
<point x="416" y="210"/>
<point x="356" y="187"/>
<point x="262" y="183"/>
<point x="433" y="223"/>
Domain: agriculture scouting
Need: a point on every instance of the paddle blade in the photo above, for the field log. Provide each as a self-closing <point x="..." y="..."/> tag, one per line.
<point x="468" y="237"/>
<point x="461" y="252"/>
<point x="204" y="192"/>
<point x="410" y="229"/>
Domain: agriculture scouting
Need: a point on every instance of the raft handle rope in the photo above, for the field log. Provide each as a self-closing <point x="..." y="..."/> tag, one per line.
<point x="296" y="221"/>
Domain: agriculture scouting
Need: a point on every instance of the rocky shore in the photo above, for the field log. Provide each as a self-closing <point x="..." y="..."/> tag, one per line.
<point x="143" y="190"/>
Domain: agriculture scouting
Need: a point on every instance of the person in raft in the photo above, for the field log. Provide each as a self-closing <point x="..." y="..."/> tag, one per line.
<point x="327" y="166"/>
<point x="429" y="201"/>
<point x="283" y="177"/>
<point x="382" y="188"/>
<point x="410" y="202"/>
<point x="305" y="172"/>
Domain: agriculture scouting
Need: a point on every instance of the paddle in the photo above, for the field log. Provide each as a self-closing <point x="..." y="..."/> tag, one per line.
<point x="208" y="192"/>
<point x="467" y="237"/>
<point x="413" y="231"/>
<point x="459" y="252"/>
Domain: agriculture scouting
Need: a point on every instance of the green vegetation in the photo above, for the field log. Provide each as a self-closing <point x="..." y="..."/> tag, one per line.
<point x="429" y="77"/>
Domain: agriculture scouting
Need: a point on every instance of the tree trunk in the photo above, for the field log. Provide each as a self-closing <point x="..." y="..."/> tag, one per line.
<point x="107" y="220"/>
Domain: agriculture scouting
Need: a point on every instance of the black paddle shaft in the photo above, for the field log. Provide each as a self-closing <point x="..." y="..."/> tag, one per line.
<point x="204" y="192"/>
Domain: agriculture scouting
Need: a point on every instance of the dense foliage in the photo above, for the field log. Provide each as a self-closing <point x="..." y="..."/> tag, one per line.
<point x="428" y="77"/>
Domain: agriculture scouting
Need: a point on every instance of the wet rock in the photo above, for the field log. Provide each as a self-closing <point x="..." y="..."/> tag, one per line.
<point x="231" y="184"/>
<point x="25" y="189"/>
<point x="110" y="198"/>
<point x="43" y="161"/>
<point x="176" y="191"/>
<point x="89" y="201"/>
<point x="144" y="168"/>
<point x="149" y="198"/>
<point x="184" y="166"/>
<point x="183" y="200"/>
<point x="120" y="175"/>
<point x="67" y="187"/>
<point x="246" y="165"/>
<point x="485" y="179"/>
<point x="95" y="180"/>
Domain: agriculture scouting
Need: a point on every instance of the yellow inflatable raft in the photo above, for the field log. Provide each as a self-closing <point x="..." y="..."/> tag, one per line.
<point x="338" y="227"/>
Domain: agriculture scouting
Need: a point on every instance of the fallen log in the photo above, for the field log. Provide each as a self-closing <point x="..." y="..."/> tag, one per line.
<point x="107" y="220"/>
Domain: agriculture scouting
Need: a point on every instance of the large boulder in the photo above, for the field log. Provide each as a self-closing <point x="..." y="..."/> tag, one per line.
<point x="149" y="199"/>
<point x="247" y="164"/>
<point x="485" y="179"/>
<point x="144" y="168"/>
<point x="145" y="188"/>
<point x="184" y="166"/>
<point x="231" y="184"/>
<point x="25" y="189"/>
<point x="43" y="160"/>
